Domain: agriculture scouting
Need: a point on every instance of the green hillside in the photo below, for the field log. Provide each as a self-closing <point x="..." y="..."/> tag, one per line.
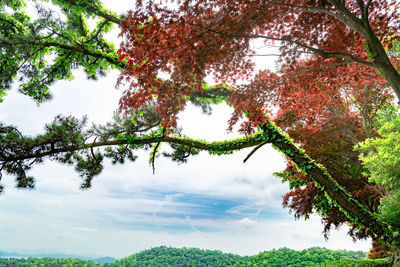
<point x="165" y="257"/>
<point x="188" y="257"/>
<point x="307" y="257"/>
<point x="363" y="263"/>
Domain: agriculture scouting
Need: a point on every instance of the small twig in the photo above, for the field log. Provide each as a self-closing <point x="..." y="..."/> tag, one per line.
<point x="253" y="151"/>
<point x="366" y="9"/>
<point x="33" y="162"/>
<point x="264" y="55"/>
<point x="91" y="150"/>
<point x="96" y="35"/>
<point x="20" y="134"/>
<point x="153" y="157"/>
<point x="84" y="33"/>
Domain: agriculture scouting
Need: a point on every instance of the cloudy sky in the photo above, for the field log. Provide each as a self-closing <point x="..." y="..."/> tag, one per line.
<point x="212" y="202"/>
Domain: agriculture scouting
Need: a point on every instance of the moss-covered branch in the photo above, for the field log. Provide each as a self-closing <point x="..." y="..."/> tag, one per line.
<point x="337" y="195"/>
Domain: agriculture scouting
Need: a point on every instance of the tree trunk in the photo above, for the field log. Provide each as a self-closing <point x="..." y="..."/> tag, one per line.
<point x="382" y="62"/>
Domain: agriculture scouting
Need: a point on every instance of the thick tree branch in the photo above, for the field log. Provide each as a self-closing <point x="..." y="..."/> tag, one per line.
<point x="348" y="18"/>
<point x="335" y="193"/>
<point x="381" y="60"/>
<point x="202" y="145"/>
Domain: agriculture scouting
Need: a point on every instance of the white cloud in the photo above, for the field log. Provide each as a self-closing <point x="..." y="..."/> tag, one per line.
<point x="247" y="222"/>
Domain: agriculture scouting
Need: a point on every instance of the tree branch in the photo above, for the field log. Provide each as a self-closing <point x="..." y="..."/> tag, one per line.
<point x="199" y="144"/>
<point x="336" y="194"/>
<point x="314" y="50"/>
<point x="104" y="15"/>
<point x="366" y="9"/>
<point x="253" y="151"/>
<point x="97" y="12"/>
<point x="310" y="8"/>
<point x="79" y="49"/>
<point x="153" y="156"/>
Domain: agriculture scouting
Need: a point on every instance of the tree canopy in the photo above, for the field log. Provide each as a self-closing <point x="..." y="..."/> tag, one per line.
<point x="337" y="66"/>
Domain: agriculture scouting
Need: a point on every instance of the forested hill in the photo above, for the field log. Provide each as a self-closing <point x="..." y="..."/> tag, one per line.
<point x="307" y="257"/>
<point x="166" y="256"/>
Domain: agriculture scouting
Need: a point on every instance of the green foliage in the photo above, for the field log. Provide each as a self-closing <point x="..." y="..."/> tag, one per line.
<point x="210" y="95"/>
<point x="381" y="159"/>
<point x="363" y="263"/>
<point x="395" y="51"/>
<point x="171" y="257"/>
<point x="292" y="258"/>
<point x="38" y="52"/>
<point x="65" y="140"/>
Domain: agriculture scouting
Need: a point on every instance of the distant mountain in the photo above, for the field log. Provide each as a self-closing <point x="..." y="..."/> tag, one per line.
<point x="104" y="260"/>
<point x="42" y="255"/>
<point x="4" y="254"/>
<point x="9" y="254"/>
<point x="58" y="256"/>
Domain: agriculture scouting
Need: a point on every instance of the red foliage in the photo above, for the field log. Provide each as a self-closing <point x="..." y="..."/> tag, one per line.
<point x="329" y="139"/>
<point x="202" y="38"/>
<point x="378" y="250"/>
<point x="325" y="98"/>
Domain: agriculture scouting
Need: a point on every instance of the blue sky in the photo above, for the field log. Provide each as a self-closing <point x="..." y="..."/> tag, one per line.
<point x="212" y="202"/>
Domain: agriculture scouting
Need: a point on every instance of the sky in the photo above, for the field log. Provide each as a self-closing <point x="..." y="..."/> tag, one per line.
<point x="212" y="202"/>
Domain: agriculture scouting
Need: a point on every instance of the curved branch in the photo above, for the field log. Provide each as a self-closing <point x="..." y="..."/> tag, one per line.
<point x="97" y="12"/>
<point x="216" y="147"/>
<point x="104" y="15"/>
<point x="79" y="49"/>
<point x="327" y="11"/>
<point x="253" y="151"/>
<point x="312" y="49"/>
<point x="335" y="193"/>
<point x="153" y="156"/>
